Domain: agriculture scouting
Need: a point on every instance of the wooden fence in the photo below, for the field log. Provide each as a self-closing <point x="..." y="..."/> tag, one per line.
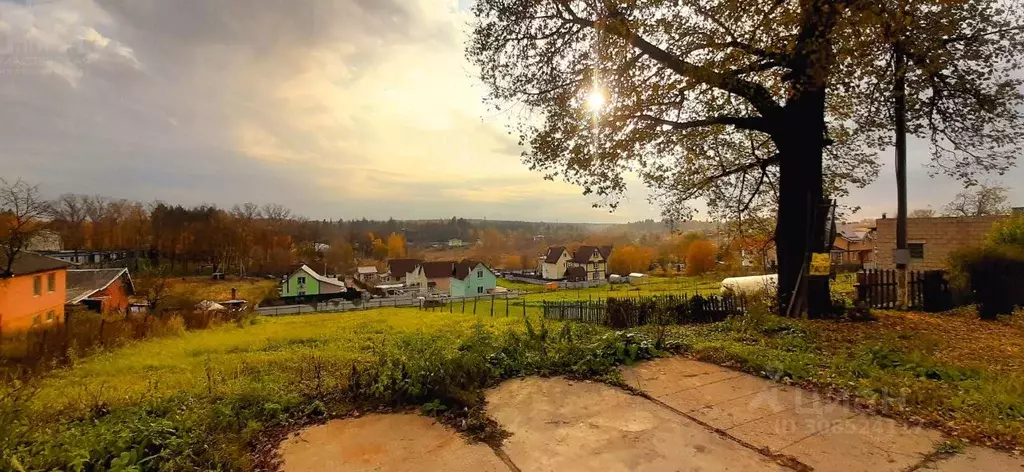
<point x="926" y="290"/>
<point x="629" y="312"/>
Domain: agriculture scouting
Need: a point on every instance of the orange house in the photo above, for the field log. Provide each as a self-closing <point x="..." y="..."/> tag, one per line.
<point x="100" y="290"/>
<point x="33" y="293"/>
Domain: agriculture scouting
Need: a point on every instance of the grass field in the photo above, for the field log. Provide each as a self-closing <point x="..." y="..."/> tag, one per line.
<point x="207" y="399"/>
<point x="204" y="288"/>
<point x="705" y="285"/>
<point x="214" y="399"/>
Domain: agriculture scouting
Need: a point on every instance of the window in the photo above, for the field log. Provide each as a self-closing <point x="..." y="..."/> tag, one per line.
<point x="302" y="280"/>
<point x="916" y="250"/>
<point x="479" y="290"/>
<point x="479" y="274"/>
<point x="50" y="315"/>
<point x="51" y="282"/>
<point x="37" y="320"/>
<point x="37" y="285"/>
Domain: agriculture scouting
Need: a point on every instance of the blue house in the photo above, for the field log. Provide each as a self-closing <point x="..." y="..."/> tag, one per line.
<point x="471" y="278"/>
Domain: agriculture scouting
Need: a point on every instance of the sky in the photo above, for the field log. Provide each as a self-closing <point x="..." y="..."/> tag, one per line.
<point x="334" y="108"/>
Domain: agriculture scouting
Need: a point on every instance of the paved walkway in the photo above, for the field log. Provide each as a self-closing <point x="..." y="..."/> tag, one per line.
<point x="700" y="417"/>
<point x="787" y="421"/>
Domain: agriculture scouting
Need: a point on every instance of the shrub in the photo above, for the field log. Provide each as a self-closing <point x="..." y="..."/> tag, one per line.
<point x="1008" y="232"/>
<point x="994" y="275"/>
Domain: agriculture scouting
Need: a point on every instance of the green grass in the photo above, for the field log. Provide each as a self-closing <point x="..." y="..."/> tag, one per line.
<point x="209" y="398"/>
<point x="705" y="285"/>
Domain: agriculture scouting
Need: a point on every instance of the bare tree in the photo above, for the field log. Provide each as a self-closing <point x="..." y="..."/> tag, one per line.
<point x="22" y="211"/>
<point x="922" y="213"/>
<point x="986" y="200"/>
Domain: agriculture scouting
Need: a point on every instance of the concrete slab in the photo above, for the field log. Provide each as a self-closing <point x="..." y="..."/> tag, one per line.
<point x="978" y="459"/>
<point x="714" y="393"/>
<point x="562" y="425"/>
<point x="789" y="426"/>
<point x="385" y="443"/>
<point x="745" y="409"/>
<point x="673" y="374"/>
<point x="865" y="444"/>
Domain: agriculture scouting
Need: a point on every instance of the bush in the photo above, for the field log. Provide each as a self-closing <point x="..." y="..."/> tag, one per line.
<point x="1008" y="232"/>
<point x="994" y="275"/>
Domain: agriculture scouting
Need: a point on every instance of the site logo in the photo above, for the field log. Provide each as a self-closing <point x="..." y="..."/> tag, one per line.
<point x="20" y="55"/>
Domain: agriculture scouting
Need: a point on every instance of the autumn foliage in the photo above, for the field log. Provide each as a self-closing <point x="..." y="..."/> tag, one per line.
<point x="700" y="258"/>
<point x="629" y="259"/>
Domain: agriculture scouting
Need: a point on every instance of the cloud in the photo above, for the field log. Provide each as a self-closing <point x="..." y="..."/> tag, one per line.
<point x="335" y="108"/>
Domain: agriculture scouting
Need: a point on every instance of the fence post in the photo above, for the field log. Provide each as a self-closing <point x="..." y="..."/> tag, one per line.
<point x="492" y="304"/>
<point x="524" y="305"/>
<point x="463" y="305"/>
<point x="506" y="304"/>
<point x="474" y="304"/>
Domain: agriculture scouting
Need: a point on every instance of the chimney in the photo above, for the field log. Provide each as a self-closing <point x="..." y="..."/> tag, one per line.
<point x="883" y="216"/>
<point x="233" y="293"/>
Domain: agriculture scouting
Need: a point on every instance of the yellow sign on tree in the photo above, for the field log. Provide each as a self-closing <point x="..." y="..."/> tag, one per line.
<point x="821" y="264"/>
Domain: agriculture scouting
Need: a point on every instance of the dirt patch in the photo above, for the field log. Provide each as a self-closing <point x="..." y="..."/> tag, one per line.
<point x="396" y="442"/>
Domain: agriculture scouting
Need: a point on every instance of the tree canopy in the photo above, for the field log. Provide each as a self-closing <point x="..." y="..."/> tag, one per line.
<point x="693" y="90"/>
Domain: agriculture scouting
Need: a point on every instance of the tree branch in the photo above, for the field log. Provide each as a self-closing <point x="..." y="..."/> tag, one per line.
<point x="758" y="96"/>
<point x="743" y="122"/>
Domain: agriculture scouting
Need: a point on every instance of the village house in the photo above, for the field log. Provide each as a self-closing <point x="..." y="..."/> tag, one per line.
<point x="367" y="274"/>
<point x="399" y="269"/>
<point x="472" y="278"/>
<point x="554" y="263"/>
<point x="592" y="259"/>
<point x="432" y="276"/>
<point x="854" y="245"/>
<point x="100" y="290"/>
<point x="305" y="281"/>
<point x="931" y="240"/>
<point x="33" y="293"/>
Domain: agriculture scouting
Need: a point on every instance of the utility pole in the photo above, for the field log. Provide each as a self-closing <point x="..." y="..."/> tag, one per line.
<point x="902" y="255"/>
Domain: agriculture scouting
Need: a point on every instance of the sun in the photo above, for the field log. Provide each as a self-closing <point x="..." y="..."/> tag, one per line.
<point x="596" y="100"/>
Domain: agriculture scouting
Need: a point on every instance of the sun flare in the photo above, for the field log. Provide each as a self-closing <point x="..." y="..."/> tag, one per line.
<point x="596" y="100"/>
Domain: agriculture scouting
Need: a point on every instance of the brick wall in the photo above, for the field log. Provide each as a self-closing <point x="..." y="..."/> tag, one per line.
<point x="940" y="237"/>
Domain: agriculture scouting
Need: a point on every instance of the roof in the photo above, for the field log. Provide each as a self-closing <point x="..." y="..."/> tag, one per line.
<point x="367" y="270"/>
<point x="606" y="251"/>
<point x="400" y="267"/>
<point x="584" y="253"/>
<point x="327" y="280"/>
<point x="29" y="263"/>
<point x="83" y="283"/>
<point x="438" y="269"/>
<point x="852" y="232"/>
<point x="466" y="266"/>
<point x="554" y="253"/>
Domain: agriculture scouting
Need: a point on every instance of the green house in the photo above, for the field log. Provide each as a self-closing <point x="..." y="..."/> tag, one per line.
<point x="305" y="281"/>
<point x="472" y="278"/>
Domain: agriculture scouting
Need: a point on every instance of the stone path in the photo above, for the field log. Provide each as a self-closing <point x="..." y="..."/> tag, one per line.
<point x="385" y="443"/>
<point x="700" y="417"/>
<point x="559" y="425"/>
<point x="816" y="432"/>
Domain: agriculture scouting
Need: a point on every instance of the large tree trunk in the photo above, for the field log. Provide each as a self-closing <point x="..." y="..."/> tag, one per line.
<point x="801" y="143"/>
